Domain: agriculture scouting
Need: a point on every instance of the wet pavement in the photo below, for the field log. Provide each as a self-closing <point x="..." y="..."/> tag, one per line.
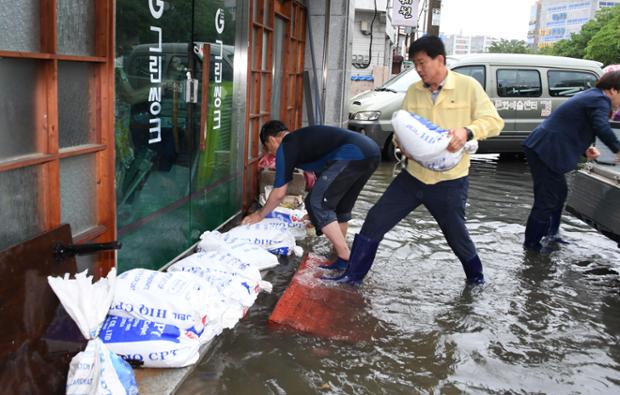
<point x="540" y="324"/>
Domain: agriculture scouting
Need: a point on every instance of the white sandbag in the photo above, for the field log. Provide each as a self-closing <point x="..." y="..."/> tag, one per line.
<point x="96" y="370"/>
<point x="154" y="344"/>
<point x="426" y="142"/>
<point x="179" y="299"/>
<point x="269" y="234"/>
<point x="234" y="279"/>
<point x="292" y="220"/>
<point x="232" y="309"/>
<point x="241" y="249"/>
<point x="447" y="159"/>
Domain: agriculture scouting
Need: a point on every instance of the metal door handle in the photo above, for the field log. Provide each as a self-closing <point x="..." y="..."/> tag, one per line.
<point x="191" y="89"/>
<point x="63" y="251"/>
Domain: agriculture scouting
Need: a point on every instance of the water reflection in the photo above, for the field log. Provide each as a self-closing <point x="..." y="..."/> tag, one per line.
<point x="540" y="325"/>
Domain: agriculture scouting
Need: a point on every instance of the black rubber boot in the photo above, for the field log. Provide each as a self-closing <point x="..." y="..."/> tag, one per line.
<point x="534" y="232"/>
<point x="363" y="253"/>
<point x="553" y="233"/>
<point x="473" y="271"/>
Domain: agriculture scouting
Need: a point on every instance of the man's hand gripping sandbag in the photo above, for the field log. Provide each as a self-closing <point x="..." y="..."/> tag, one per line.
<point x="427" y="143"/>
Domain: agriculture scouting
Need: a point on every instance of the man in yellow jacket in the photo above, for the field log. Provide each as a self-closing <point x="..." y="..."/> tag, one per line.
<point x="452" y="101"/>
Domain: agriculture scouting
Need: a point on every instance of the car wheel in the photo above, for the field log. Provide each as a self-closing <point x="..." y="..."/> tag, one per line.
<point x="388" y="150"/>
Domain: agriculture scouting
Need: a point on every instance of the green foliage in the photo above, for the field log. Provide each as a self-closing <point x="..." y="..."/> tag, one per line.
<point x="598" y="39"/>
<point x="509" y="46"/>
<point x="605" y="44"/>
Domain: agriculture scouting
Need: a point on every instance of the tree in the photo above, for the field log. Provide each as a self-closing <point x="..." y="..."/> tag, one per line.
<point x="605" y="44"/>
<point x="566" y="47"/>
<point x="509" y="46"/>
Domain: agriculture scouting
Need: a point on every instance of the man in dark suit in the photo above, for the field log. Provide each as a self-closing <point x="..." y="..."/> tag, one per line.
<point x="554" y="148"/>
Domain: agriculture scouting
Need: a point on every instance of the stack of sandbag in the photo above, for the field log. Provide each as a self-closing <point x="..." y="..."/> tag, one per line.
<point x="159" y="319"/>
<point x="241" y="249"/>
<point x="426" y="142"/>
<point x="291" y="211"/>
<point x="238" y="283"/>
<point x="293" y="219"/>
<point x="95" y="370"/>
<point x="271" y="234"/>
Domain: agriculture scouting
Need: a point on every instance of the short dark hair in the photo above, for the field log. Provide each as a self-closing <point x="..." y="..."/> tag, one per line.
<point x="271" y="128"/>
<point x="431" y="45"/>
<point x="609" y="80"/>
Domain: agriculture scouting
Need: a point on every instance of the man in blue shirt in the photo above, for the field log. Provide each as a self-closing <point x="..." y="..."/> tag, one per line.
<point x="343" y="161"/>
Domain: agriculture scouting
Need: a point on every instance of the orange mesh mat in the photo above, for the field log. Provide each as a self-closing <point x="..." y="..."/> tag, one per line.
<point x="322" y="308"/>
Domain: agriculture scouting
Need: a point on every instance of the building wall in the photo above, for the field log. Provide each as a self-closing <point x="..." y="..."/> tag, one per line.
<point x="370" y="68"/>
<point x="361" y="42"/>
<point x="330" y="84"/>
<point x="558" y="19"/>
<point x="462" y="45"/>
<point x="534" y="25"/>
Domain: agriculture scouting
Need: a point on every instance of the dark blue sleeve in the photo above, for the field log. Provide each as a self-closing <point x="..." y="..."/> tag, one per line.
<point x="280" y="178"/>
<point x="599" y="119"/>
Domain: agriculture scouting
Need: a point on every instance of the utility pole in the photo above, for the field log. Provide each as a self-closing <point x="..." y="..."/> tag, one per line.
<point x="433" y="13"/>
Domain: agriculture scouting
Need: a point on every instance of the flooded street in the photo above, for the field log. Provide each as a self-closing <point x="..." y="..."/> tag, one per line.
<point x="539" y="325"/>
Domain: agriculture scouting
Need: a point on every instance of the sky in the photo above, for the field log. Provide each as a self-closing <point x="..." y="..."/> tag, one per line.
<point x="498" y="18"/>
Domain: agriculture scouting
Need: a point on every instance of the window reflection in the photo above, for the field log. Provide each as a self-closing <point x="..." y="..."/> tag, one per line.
<point x="175" y="160"/>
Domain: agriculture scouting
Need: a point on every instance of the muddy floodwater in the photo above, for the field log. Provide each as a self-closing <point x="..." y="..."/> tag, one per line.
<point x="539" y="325"/>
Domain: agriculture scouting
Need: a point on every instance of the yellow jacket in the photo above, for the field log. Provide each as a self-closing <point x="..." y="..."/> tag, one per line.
<point x="462" y="102"/>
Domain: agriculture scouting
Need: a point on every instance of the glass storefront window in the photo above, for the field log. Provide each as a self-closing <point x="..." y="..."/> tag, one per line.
<point x="76" y="27"/>
<point x="177" y="165"/>
<point x="278" y="66"/>
<point x="20" y="205"/>
<point x="20" y="26"/>
<point x="76" y="125"/>
<point x="264" y="54"/>
<point x="78" y="183"/>
<point x="18" y="107"/>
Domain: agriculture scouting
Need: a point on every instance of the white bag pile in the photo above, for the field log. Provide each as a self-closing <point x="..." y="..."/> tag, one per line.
<point x="427" y="143"/>
<point x="172" y="298"/>
<point x="271" y="234"/>
<point x="241" y="249"/>
<point x="237" y="283"/>
<point x="293" y="219"/>
<point x="95" y="370"/>
<point x="161" y="318"/>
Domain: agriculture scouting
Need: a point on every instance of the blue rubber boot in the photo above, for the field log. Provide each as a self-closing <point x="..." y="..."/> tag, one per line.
<point x="363" y="253"/>
<point x="553" y="233"/>
<point x="473" y="271"/>
<point x="338" y="265"/>
<point x="534" y="232"/>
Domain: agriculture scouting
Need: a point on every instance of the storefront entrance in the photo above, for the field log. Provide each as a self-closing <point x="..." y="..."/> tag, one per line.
<point x="178" y="161"/>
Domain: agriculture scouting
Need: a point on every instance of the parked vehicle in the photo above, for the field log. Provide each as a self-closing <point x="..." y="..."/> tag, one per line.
<point x="525" y="89"/>
<point x="595" y="192"/>
<point x="370" y="112"/>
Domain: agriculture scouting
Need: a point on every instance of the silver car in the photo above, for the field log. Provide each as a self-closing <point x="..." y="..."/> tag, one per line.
<point x="370" y="112"/>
